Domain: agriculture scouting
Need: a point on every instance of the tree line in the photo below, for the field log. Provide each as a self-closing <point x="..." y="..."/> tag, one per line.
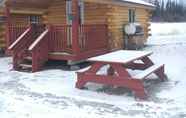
<point x="169" y="11"/>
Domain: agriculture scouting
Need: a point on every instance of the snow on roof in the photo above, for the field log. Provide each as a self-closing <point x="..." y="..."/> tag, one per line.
<point x="141" y="2"/>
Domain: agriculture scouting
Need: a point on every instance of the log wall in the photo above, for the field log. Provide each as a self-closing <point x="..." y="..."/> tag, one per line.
<point x="56" y="14"/>
<point x="2" y="35"/>
<point x="95" y="13"/>
<point x="117" y="18"/>
<point x="2" y="31"/>
<point x="143" y="17"/>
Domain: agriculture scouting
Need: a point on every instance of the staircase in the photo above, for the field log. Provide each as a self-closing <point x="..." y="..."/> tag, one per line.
<point x="26" y="62"/>
<point x="30" y="49"/>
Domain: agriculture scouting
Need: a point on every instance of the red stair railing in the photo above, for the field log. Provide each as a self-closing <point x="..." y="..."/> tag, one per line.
<point x="20" y="46"/>
<point x="15" y="32"/>
<point x="40" y="50"/>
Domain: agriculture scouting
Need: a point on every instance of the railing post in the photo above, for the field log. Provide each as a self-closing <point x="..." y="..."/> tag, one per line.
<point x="75" y="26"/>
<point x="8" y="24"/>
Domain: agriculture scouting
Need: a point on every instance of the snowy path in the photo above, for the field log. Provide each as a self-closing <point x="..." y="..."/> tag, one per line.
<point x="24" y="103"/>
<point x="51" y="93"/>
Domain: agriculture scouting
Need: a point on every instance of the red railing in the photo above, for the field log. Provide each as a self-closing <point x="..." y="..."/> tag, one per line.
<point x="40" y="41"/>
<point x="93" y="37"/>
<point x="40" y="50"/>
<point x="20" y="46"/>
<point x="61" y="39"/>
<point x="15" y="32"/>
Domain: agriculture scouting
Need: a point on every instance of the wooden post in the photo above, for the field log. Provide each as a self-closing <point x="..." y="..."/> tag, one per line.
<point x="8" y="24"/>
<point x="75" y="26"/>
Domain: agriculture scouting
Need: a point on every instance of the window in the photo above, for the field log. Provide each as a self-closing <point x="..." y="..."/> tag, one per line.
<point x="34" y="19"/>
<point x="81" y="10"/>
<point x="69" y="12"/>
<point x="132" y="16"/>
<point x="69" y="18"/>
<point x="2" y="19"/>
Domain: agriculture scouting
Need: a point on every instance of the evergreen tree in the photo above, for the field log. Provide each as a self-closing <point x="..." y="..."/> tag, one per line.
<point x="170" y="11"/>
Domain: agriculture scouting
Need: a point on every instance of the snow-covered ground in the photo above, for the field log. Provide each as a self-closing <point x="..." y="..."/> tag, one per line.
<point x="51" y="93"/>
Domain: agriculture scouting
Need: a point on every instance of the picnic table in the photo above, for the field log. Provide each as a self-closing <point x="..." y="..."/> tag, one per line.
<point x="117" y="73"/>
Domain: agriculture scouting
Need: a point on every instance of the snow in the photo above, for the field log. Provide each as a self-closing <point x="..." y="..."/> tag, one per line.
<point x="139" y="2"/>
<point x="121" y="56"/>
<point x="51" y="93"/>
<point x="164" y="29"/>
<point x="147" y="71"/>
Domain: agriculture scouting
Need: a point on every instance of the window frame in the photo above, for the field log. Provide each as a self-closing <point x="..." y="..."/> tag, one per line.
<point x="82" y="11"/>
<point x="34" y="19"/>
<point x="69" y="12"/>
<point x="132" y="15"/>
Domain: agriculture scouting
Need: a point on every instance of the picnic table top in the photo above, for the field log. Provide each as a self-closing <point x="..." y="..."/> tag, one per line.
<point x="121" y="56"/>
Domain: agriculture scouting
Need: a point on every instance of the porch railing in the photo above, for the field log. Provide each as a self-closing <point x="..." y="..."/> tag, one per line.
<point x="39" y="50"/>
<point x="15" y="32"/>
<point x="61" y="38"/>
<point x="93" y="37"/>
<point x="20" y="46"/>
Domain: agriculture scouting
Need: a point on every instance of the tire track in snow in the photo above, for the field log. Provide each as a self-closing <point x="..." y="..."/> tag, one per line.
<point x="63" y="103"/>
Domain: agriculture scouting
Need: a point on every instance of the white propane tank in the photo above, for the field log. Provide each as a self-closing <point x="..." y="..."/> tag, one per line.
<point x="130" y="29"/>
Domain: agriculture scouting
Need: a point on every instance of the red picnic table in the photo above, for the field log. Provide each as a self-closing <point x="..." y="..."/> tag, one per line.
<point x="117" y="74"/>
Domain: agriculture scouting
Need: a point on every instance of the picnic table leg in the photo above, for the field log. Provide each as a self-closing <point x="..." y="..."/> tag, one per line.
<point x="120" y="70"/>
<point x="138" y="88"/>
<point x="140" y="94"/>
<point x="110" y="71"/>
<point x="80" y="81"/>
<point x="147" y="61"/>
<point x="161" y="73"/>
<point x="133" y="84"/>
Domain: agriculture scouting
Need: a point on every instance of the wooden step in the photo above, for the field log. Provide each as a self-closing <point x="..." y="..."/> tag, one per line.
<point x="59" y="53"/>
<point x="28" y="58"/>
<point x="148" y="71"/>
<point x="25" y="66"/>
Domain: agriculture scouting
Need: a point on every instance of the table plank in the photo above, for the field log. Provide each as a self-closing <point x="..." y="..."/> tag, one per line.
<point x="121" y="56"/>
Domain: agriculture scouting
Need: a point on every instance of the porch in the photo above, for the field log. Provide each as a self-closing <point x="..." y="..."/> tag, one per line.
<point x="92" y="40"/>
<point x="41" y="43"/>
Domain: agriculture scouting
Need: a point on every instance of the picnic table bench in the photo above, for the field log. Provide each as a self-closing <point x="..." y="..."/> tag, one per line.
<point x="117" y="74"/>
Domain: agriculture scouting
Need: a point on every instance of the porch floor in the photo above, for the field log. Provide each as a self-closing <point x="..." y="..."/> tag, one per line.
<point x="76" y="57"/>
<point x="59" y="53"/>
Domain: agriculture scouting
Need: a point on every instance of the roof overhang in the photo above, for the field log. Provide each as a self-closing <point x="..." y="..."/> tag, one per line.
<point x="45" y="3"/>
<point x="126" y="3"/>
<point x="28" y="3"/>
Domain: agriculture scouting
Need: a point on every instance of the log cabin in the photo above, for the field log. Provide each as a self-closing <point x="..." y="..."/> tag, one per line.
<point x="71" y="30"/>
